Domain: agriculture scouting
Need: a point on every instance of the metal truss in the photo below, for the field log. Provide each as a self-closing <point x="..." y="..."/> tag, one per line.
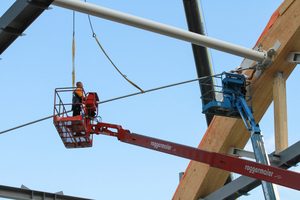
<point x="17" y="18"/>
<point x="27" y="194"/>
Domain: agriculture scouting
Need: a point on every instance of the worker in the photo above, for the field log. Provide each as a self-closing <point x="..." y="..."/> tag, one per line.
<point x="77" y="99"/>
<point x="239" y="70"/>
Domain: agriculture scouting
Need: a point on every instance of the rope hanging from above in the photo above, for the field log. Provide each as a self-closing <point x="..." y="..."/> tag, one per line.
<point x="73" y="52"/>
<point x="94" y="35"/>
<point x="129" y="95"/>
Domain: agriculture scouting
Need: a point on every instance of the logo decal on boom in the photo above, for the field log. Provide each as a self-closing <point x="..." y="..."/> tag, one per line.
<point x="160" y="145"/>
<point x="258" y="170"/>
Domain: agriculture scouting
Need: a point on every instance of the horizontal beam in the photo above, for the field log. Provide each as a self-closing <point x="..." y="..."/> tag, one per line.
<point x="160" y="28"/>
<point x="240" y="152"/>
<point x="18" y="18"/>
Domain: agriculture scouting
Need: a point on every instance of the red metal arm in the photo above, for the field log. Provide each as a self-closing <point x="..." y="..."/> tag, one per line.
<point x="77" y="131"/>
<point x="244" y="167"/>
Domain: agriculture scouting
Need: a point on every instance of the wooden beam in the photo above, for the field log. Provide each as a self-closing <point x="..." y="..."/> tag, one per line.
<point x="280" y="112"/>
<point x="201" y="180"/>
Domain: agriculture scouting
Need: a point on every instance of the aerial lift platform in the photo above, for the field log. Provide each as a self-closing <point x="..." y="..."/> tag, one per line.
<point x="68" y="125"/>
<point x="203" y="182"/>
<point x="236" y="102"/>
<point x="73" y="129"/>
<point x="289" y="43"/>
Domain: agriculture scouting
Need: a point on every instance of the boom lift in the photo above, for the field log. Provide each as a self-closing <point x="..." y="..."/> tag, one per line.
<point x="234" y="104"/>
<point x="73" y="129"/>
<point x="77" y="132"/>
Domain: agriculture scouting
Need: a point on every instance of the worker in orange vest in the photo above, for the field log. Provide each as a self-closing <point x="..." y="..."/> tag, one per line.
<point x="77" y="99"/>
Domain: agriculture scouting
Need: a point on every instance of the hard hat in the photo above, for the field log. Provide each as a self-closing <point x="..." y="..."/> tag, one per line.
<point x="238" y="68"/>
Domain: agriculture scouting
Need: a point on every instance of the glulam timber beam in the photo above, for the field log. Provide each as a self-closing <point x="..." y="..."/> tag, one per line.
<point x="280" y="112"/>
<point x="200" y="180"/>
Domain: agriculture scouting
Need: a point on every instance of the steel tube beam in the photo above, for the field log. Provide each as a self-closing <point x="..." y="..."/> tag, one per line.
<point x="201" y="55"/>
<point x="160" y="28"/>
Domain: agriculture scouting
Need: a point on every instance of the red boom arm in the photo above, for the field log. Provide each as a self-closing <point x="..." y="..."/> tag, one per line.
<point x="241" y="166"/>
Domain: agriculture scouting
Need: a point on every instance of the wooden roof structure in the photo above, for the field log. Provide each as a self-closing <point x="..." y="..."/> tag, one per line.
<point x="199" y="179"/>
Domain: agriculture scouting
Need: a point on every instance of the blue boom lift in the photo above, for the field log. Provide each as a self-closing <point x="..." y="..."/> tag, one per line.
<point x="236" y="103"/>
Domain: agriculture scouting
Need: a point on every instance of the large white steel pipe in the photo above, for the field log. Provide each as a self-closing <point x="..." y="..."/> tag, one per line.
<point x="160" y="28"/>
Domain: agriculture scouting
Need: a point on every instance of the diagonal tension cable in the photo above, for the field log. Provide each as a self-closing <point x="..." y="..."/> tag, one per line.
<point x="109" y="100"/>
<point x="105" y="102"/>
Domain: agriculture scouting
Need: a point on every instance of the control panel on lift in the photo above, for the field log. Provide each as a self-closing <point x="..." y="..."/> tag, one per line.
<point x="73" y="129"/>
<point x="232" y="87"/>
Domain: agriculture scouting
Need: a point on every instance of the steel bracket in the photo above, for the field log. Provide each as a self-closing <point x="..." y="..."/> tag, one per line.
<point x="240" y="152"/>
<point x="293" y="57"/>
<point x="13" y="31"/>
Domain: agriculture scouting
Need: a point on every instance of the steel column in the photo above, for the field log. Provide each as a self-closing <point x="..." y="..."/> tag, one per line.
<point x="201" y="55"/>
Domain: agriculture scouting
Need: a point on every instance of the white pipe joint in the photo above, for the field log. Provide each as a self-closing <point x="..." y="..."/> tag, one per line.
<point x="268" y="59"/>
<point x="160" y="28"/>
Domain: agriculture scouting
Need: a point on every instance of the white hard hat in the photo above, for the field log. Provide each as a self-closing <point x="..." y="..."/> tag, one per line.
<point x="238" y="68"/>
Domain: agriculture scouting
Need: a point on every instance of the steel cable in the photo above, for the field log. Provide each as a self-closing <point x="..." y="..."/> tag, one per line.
<point x="129" y="95"/>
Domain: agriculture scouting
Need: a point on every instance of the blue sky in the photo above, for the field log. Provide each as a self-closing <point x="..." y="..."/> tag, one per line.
<point x="34" y="65"/>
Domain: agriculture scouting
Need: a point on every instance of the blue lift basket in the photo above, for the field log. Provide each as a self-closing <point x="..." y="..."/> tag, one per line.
<point x="233" y="86"/>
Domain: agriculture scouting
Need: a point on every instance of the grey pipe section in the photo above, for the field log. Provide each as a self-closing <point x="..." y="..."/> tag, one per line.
<point x="160" y="28"/>
<point x="201" y="55"/>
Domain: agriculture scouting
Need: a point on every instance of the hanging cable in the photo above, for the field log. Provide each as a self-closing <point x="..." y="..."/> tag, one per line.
<point x="94" y="35"/>
<point x="142" y="91"/>
<point x="159" y="88"/>
<point x="175" y="84"/>
<point x="91" y="24"/>
<point x="33" y="122"/>
<point x="206" y="33"/>
<point x="106" y="102"/>
<point x="73" y="51"/>
<point x="154" y="89"/>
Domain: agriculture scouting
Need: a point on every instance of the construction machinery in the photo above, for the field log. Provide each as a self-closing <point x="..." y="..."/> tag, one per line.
<point x="77" y="132"/>
<point x="236" y="103"/>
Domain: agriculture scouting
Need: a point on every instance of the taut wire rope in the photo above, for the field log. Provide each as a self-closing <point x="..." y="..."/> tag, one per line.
<point x="209" y="50"/>
<point x="154" y="89"/>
